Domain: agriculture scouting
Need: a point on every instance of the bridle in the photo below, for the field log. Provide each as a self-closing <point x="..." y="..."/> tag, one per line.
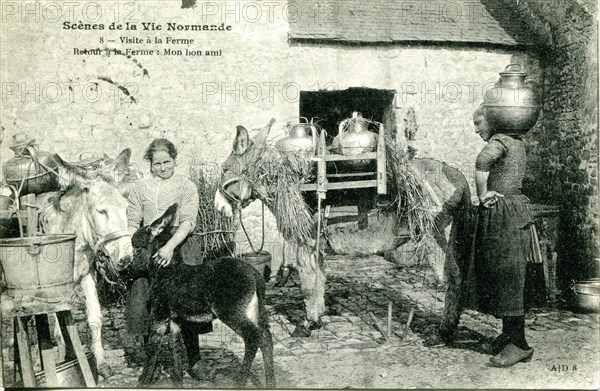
<point x="237" y="202"/>
<point x="232" y="198"/>
<point x="102" y="240"/>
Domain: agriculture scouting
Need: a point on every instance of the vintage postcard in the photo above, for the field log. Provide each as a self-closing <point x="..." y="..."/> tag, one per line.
<point x="299" y="194"/>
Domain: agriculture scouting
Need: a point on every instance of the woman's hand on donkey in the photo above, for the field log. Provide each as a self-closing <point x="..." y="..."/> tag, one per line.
<point x="490" y="198"/>
<point x="164" y="256"/>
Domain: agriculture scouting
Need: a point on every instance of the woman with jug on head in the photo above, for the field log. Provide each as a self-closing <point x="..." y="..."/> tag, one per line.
<point x="502" y="239"/>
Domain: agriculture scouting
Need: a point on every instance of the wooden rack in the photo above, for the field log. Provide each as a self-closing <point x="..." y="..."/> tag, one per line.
<point x="28" y="220"/>
<point x="322" y="184"/>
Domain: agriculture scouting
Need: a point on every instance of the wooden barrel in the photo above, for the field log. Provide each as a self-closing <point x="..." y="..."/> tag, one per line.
<point x="38" y="265"/>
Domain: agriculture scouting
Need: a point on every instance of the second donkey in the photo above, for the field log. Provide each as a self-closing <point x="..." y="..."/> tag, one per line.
<point x="225" y="288"/>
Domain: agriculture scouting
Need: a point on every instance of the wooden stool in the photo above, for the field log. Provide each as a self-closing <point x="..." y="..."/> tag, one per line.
<point x="21" y="332"/>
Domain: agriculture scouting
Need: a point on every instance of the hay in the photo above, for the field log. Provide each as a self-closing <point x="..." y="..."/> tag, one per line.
<point x="275" y="177"/>
<point x="413" y="202"/>
<point x="214" y="233"/>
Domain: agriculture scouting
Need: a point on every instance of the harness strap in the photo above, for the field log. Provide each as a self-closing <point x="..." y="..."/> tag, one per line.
<point x="111" y="236"/>
<point x="230" y="197"/>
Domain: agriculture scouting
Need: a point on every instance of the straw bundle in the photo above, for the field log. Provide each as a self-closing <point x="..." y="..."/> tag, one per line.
<point x="275" y="177"/>
<point x="214" y="233"/>
<point x="414" y="203"/>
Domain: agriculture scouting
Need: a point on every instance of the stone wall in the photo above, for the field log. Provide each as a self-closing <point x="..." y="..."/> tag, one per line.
<point x="564" y="149"/>
<point x="444" y="86"/>
<point x="80" y="103"/>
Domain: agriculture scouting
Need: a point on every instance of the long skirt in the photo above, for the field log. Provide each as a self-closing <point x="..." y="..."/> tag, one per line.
<point x="502" y="245"/>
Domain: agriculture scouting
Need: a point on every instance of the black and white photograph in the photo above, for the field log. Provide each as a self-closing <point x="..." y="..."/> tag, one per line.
<point x="299" y="194"/>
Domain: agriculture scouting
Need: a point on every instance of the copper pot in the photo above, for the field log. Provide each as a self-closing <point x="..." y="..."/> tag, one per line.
<point x="512" y="106"/>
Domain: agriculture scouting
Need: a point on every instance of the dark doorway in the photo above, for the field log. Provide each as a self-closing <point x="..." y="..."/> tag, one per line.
<point x="329" y="108"/>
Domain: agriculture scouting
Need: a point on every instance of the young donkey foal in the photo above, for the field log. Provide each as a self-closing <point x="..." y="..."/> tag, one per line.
<point x="224" y="288"/>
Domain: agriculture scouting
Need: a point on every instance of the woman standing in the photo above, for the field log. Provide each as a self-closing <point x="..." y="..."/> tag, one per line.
<point x="148" y="200"/>
<point x="502" y="241"/>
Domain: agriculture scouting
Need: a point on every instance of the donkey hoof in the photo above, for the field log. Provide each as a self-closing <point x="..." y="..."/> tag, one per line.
<point x="301" y="331"/>
<point x="201" y="371"/>
<point x="222" y="381"/>
<point x="446" y="333"/>
<point x="105" y="371"/>
<point x="315" y="324"/>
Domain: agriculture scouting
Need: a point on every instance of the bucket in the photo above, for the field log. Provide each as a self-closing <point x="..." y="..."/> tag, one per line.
<point x="588" y="294"/>
<point x="260" y="261"/>
<point x="38" y="265"/>
<point x="69" y="374"/>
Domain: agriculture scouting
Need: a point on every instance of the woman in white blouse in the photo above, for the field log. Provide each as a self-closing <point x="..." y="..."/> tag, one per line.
<point x="148" y="200"/>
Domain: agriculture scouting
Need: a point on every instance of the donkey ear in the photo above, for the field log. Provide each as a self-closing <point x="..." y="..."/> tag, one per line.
<point x="165" y="221"/>
<point x="67" y="172"/>
<point x="122" y="161"/>
<point x="242" y="141"/>
<point x="263" y="133"/>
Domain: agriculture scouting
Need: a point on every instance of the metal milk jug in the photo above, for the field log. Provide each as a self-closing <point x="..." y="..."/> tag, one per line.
<point x="512" y="106"/>
<point x="353" y="137"/>
<point x="30" y="170"/>
<point x="302" y="137"/>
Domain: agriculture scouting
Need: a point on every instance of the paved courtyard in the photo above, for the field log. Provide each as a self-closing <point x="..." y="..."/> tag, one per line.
<point x="350" y="352"/>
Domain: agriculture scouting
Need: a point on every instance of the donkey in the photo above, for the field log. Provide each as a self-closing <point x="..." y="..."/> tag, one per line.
<point x="225" y="288"/>
<point x="91" y="207"/>
<point x="253" y="170"/>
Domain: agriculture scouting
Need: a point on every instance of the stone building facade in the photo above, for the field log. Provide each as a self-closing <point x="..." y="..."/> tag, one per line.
<point x="437" y="57"/>
<point x="564" y="149"/>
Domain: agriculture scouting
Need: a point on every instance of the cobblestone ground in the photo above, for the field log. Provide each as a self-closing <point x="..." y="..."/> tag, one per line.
<point x="350" y="352"/>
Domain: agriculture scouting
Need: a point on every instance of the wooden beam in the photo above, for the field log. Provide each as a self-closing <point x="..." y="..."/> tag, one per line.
<point x="321" y="169"/>
<point x="362" y="156"/>
<point x="349" y="175"/>
<point x="381" y="162"/>
<point x="339" y="185"/>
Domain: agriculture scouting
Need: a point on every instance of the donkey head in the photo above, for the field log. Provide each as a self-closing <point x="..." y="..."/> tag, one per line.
<point x="119" y="170"/>
<point x="234" y="189"/>
<point x="97" y="211"/>
<point x="149" y="239"/>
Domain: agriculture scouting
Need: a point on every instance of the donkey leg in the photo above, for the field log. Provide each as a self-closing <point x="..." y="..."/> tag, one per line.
<point x="313" y="280"/>
<point x="453" y="282"/>
<point x="66" y="351"/>
<point x="251" y="335"/>
<point x="178" y="352"/>
<point x="313" y="273"/>
<point x="266" y="347"/>
<point x="151" y="372"/>
<point x="94" y="317"/>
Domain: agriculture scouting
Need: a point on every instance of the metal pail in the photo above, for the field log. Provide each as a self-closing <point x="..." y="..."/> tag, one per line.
<point x="69" y="374"/>
<point x="39" y="265"/>
<point x="260" y="261"/>
<point x="588" y="294"/>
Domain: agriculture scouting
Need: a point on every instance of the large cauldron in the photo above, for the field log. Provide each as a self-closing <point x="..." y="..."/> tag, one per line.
<point x="511" y="106"/>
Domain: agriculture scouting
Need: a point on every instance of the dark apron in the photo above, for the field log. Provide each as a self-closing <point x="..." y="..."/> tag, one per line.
<point x="502" y="246"/>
